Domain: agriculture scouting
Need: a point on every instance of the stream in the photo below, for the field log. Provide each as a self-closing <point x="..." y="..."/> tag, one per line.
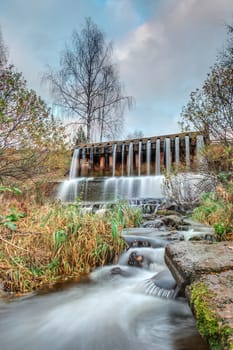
<point x="115" y="308"/>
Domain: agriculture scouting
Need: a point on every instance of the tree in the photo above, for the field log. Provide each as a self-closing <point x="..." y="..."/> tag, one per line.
<point x="87" y="83"/>
<point x="226" y="55"/>
<point x="210" y="109"/>
<point x="29" y="135"/>
<point x="3" y="51"/>
<point x="137" y="134"/>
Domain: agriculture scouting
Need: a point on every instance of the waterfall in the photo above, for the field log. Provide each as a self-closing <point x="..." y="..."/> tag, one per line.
<point x="200" y="143"/>
<point x="91" y="157"/>
<point x="122" y="158"/>
<point x="129" y="187"/>
<point x="187" y="151"/>
<point x="157" y="158"/>
<point x="201" y="161"/>
<point x="114" y="147"/>
<point x="83" y="160"/>
<point x="139" y="157"/>
<point x="148" y="156"/>
<point x="74" y="164"/>
<point x="177" y="151"/>
<point x="168" y="154"/>
<point x="130" y="159"/>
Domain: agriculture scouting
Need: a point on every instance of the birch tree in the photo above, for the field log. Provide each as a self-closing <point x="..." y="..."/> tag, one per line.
<point x="87" y="83"/>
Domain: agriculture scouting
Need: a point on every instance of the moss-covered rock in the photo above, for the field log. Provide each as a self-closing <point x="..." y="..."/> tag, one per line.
<point x="214" y="328"/>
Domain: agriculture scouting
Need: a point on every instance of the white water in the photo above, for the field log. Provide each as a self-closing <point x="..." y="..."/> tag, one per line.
<point x="187" y="151"/>
<point x="157" y="158"/>
<point x="130" y="160"/>
<point x="139" y="157"/>
<point x="111" y="188"/>
<point x="114" y="147"/>
<point x="134" y="186"/>
<point x="168" y="154"/>
<point x="122" y="158"/>
<point x="74" y="166"/>
<point x="177" y="151"/>
<point x="111" y="312"/>
<point x="148" y="157"/>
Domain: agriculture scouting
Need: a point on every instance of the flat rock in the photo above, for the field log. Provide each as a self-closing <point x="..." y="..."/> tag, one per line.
<point x="140" y="231"/>
<point x="188" y="261"/>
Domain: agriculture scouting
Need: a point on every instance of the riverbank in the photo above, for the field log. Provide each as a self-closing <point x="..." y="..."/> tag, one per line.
<point x="204" y="272"/>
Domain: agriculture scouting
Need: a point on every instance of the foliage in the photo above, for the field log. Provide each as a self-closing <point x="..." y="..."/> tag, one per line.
<point x="3" y="51"/>
<point x="210" y="109"/>
<point x="31" y="141"/>
<point x="58" y="241"/>
<point x="217" y="212"/>
<point x="136" y="134"/>
<point x="87" y="83"/>
<point x="208" y="323"/>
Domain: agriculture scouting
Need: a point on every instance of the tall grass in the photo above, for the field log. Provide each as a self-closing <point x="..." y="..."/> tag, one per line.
<point x="216" y="211"/>
<point x="57" y="241"/>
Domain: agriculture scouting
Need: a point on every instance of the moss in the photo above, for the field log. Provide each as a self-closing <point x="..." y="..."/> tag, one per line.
<point x="209" y="325"/>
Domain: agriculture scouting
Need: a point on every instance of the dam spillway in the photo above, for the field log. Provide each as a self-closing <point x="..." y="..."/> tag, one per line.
<point x="137" y="157"/>
<point x="128" y="169"/>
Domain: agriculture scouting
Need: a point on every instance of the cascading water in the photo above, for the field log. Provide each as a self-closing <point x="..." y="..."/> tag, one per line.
<point x="168" y="154"/>
<point x="74" y="166"/>
<point x="118" y="307"/>
<point x="114" y="148"/>
<point x="83" y="159"/>
<point x="132" y="187"/>
<point x="134" y="160"/>
<point x="157" y="158"/>
<point x="130" y="160"/>
<point x="200" y="142"/>
<point x="139" y="157"/>
<point x="148" y="157"/>
<point x="187" y="151"/>
<point x="177" y="151"/>
<point x="122" y="158"/>
<point x="91" y="157"/>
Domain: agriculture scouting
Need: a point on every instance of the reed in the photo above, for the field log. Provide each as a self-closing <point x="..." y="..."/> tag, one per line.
<point x="56" y="242"/>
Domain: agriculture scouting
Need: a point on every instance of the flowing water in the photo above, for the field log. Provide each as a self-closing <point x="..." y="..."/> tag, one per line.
<point x="110" y="311"/>
<point x="157" y="158"/>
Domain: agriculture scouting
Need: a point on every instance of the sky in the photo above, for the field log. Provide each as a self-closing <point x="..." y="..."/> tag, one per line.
<point x="163" y="48"/>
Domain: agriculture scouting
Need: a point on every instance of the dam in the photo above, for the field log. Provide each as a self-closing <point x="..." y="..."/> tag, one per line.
<point x="134" y="168"/>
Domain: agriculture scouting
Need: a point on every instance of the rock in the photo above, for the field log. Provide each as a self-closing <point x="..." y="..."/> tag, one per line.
<point x="189" y="260"/>
<point x="211" y="299"/>
<point x="172" y="220"/>
<point x="153" y="223"/>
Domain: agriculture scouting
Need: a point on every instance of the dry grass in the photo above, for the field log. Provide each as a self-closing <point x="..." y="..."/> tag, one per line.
<point x="57" y="242"/>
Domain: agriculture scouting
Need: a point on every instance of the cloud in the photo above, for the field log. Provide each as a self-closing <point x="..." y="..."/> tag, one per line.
<point x="164" y="48"/>
<point x="173" y="51"/>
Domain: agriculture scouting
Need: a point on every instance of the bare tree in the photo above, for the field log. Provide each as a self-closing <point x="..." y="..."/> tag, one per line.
<point x="87" y="83"/>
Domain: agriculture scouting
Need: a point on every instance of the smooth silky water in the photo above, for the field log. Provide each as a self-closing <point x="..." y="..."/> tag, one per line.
<point x="109" y="311"/>
<point x="116" y="307"/>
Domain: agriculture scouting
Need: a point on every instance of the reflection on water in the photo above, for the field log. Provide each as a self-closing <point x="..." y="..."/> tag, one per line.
<point x="108" y="313"/>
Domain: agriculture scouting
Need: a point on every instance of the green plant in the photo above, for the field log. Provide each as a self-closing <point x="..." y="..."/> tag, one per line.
<point x="9" y="221"/>
<point x="217" y="212"/>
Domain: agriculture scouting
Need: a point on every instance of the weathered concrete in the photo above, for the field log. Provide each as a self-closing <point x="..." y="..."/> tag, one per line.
<point x="189" y="260"/>
<point x="204" y="272"/>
